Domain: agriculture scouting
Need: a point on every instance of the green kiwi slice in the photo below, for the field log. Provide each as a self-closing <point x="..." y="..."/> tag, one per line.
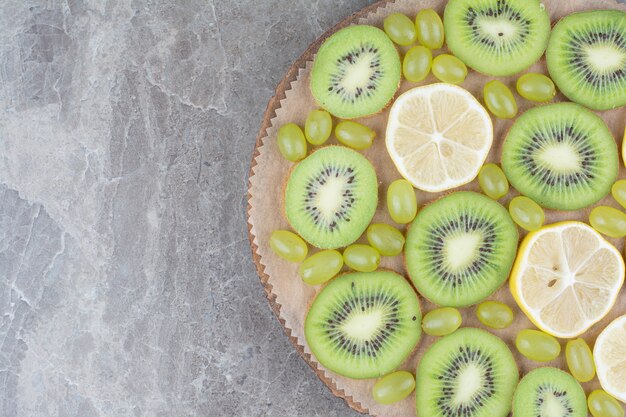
<point x="460" y="249"/>
<point x="364" y="324"/>
<point x="560" y="155"/>
<point x="497" y="37"/>
<point x="470" y="373"/>
<point x="587" y="58"/>
<point x="549" y="392"/>
<point x="356" y="72"/>
<point x="331" y="197"/>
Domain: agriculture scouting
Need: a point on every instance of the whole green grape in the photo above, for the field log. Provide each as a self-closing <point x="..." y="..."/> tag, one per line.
<point x="386" y="239"/>
<point x="430" y="31"/>
<point x="608" y="221"/>
<point x="500" y="100"/>
<point x="536" y="87"/>
<point x="393" y="387"/>
<point x="602" y="404"/>
<point x="400" y="29"/>
<point x="291" y="142"/>
<point x="355" y="135"/>
<point x="362" y="258"/>
<point x="401" y="201"/>
<point x="318" y="127"/>
<point x="442" y="321"/>
<point x="619" y="192"/>
<point x="495" y="314"/>
<point x="493" y="181"/>
<point x="526" y="213"/>
<point x="321" y="267"/>
<point x="449" y="69"/>
<point x="580" y="360"/>
<point x="288" y="245"/>
<point x="537" y="346"/>
<point x="416" y="64"/>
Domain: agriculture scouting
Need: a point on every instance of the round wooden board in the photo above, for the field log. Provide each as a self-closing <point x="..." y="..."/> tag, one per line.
<point x="288" y="297"/>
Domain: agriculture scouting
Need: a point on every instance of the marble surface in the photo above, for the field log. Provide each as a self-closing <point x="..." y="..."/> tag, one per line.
<point x="126" y="282"/>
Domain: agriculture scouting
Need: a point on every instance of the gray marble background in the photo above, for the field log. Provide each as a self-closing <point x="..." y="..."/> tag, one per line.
<point x="126" y="282"/>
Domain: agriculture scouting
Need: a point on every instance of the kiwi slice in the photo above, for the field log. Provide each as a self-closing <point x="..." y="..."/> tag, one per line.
<point x="364" y="324"/>
<point x="549" y="392"/>
<point x="331" y="197"/>
<point x="460" y="249"/>
<point x="470" y="373"/>
<point x="356" y="72"/>
<point x="560" y="155"/>
<point x="587" y="58"/>
<point x="497" y="37"/>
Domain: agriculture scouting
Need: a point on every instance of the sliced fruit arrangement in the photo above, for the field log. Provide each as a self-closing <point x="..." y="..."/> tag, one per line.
<point x="460" y="249"/>
<point x="364" y="325"/>
<point x="549" y="392"/>
<point x="331" y="197"/>
<point x="468" y="373"/>
<point x="609" y="354"/>
<point x="438" y="136"/>
<point x="497" y="37"/>
<point x="560" y="155"/>
<point x="587" y="58"/>
<point x="356" y="72"/>
<point x="566" y="278"/>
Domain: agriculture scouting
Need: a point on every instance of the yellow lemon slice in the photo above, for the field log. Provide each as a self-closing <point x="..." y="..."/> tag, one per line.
<point x="438" y="136"/>
<point x="566" y="278"/>
<point x="610" y="356"/>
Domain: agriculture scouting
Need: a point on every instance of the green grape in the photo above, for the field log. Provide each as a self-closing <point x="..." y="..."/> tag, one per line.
<point x="321" y="267"/>
<point x="386" y="239"/>
<point x="500" y="100"/>
<point x="602" y="404"/>
<point x="449" y="69"/>
<point x="318" y="127"/>
<point x="362" y="258"/>
<point x="354" y="135"/>
<point x="288" y="245"/>
<point x="416" y="64"/>
<point x="538" y="346"/>
<point x="495" y="314"/>
<point x="580" y="360"/>
<point x="393" y="387"/>
<point x="429" y="29"/>
<point x="608" y="221"/>
<point x="401" y="201"/>
<point x="619" y="192"/>
<point x="400" y="29"/>
<point x="291" y="142"/>
<point x="536" y="87"/>
<point x="526" y="213"/>
<point x="441" y="321"/>
<point x="493" y="181"/>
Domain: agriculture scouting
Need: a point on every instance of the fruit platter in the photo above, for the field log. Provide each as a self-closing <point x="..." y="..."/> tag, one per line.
<point x="437" y="208"/>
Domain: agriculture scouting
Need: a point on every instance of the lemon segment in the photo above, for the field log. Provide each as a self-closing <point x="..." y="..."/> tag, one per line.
<point x="609" y="354"/>
<point x="566" y="278"/>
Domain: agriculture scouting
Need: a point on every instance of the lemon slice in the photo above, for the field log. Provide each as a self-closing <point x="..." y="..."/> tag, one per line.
<point x="438" y="136"/>
<point x="566" y="278"/>
<point x="610" y="356"/>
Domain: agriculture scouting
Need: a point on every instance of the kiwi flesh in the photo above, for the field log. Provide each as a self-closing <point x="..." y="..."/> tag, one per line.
<point x="356" y="72"/>
<point x="364" y="324"/>
<point x="460" y="249"/>
<point x="561" y="155"/>
<point x="549" y="392"/>
<point x="586" y="58"/>
<point x="331" y="197"/>
<point x="470" y="373"/>
<point x="497" y="37"/>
